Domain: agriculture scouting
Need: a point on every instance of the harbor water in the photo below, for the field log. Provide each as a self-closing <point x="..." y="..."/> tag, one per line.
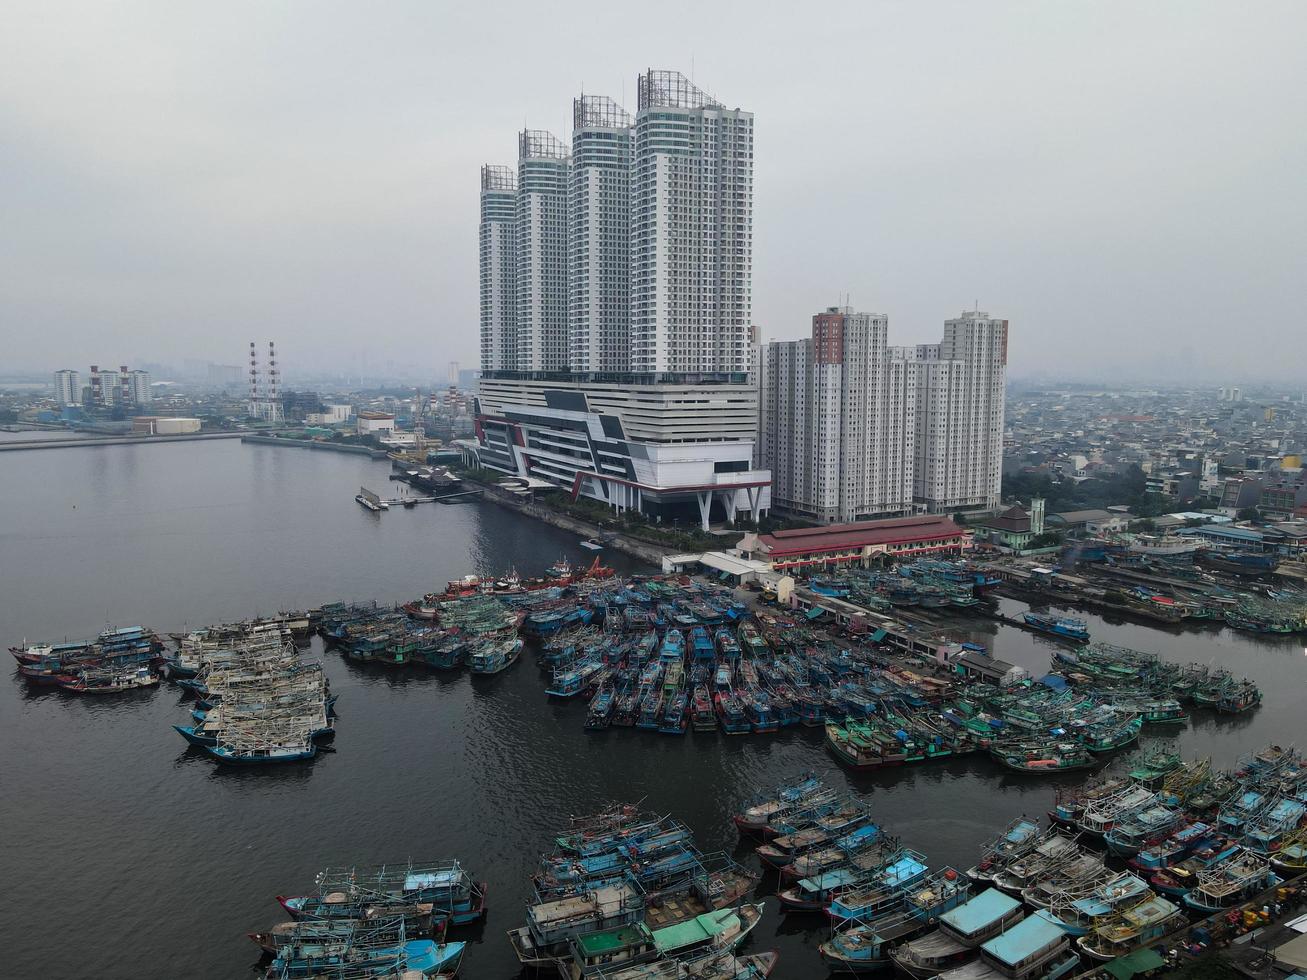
<point x="129" y="856"/>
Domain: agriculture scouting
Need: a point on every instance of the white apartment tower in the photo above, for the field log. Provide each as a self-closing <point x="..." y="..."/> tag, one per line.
<point x="543" y="163"/>
<point x="960" y="398"/>
<point x="838" y="420"/>
<point x="68" y="387"/>
<point x="633" y="252"/>
<point x="498" y="238"/>
<point x="598" y="325"/>
<point x="691" y="230"/>
<point x="138" y="387"/>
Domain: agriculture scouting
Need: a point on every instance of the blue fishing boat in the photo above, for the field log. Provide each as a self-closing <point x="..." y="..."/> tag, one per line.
<point x="961" y="931"/>
<point x="701" y="644"/>
<point x="422" y="956"/>
<point x="863" y="946"/>
<point x="599" y="714"/>
<point x="573" y="680"/>
<point x="1079" y="916"/>
<point x="494" y="655"/>
<point x="1174" y="848"/>
<point x="259" y="753"/>
<point x="341" y="892"/>
<point x="1061" y="626"/>
<point x="883" y="893"/>
<point x="673" y="647"/>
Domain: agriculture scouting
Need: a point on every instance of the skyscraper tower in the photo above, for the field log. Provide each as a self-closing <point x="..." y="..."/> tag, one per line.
<point x="543" y="162"/>
<point x="598" y="327"/>
<point x="498" y="237"/>
<point x="691" y="230"/>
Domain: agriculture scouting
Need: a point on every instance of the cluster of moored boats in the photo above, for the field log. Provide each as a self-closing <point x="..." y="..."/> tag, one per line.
<point x="1158" y="681"/>
<point x="257" y="701"/>
<point x="119" y="659"/>
<point x="384" y="920"/>
<point x="1040" y="902"/>
<point x="927" y="583"/>
<point x="1062" y="723"/>
<point x="626" y="895"/>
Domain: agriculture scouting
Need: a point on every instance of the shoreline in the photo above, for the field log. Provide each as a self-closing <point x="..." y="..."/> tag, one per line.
<point x="643" y="550"/>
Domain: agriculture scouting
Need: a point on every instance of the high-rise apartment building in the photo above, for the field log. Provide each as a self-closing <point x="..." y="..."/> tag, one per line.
<point x="633" y="252"/>
<point x="838" y="420"/>
<point x="138" y="387"/>
<point x="598" y="326"/>
<point x="852" y="428"/>
<point x="623" y="373"/>
<point x="960" y="399"/>
<point x="543" y="164"/>
<point x="691" y="229"/>
<point x="498" y="239"/>
<point x="68" y="387"/>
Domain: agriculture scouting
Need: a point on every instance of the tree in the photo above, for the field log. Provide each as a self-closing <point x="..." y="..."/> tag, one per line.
<point x="1248" y="514"/>
<point x="960" y="519"/>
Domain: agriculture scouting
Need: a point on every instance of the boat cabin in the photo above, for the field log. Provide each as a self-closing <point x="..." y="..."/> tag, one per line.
<point x="596" y="952"/>
<point x="1033" y="948"/>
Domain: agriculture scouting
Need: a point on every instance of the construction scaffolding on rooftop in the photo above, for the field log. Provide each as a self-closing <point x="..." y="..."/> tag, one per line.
<point x="673" y="90"/>
<point x="598" y="112"/>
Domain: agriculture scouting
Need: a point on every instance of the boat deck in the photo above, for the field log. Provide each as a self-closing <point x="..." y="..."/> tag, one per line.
<point x="674" y="910"/>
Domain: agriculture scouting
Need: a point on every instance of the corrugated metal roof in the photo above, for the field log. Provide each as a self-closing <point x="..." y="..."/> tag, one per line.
<point x="1024" y="939"/>
<point x="986" y="908"/>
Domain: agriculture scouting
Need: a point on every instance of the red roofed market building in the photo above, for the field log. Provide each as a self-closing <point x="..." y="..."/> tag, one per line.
<point x="857" y="543"/>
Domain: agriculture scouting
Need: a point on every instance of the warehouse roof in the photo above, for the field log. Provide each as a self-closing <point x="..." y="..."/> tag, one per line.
<point x="839" y="537"/>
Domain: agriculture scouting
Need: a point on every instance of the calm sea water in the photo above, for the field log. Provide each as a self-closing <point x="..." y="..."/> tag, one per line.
<point x="163" y="861"/>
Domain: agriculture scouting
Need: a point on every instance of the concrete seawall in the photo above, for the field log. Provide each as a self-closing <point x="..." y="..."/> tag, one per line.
<point x="643" y="550"/>
<point x="15" y="445"/>
<point x="330" y="447"/>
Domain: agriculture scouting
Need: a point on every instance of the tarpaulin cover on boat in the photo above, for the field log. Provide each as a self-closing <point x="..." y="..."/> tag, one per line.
<point x="877" y="636"/>
<point x="1140" y="961"/>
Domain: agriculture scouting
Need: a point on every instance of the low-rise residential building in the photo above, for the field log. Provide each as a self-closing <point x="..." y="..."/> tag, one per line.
<point x="1014" y="529"/>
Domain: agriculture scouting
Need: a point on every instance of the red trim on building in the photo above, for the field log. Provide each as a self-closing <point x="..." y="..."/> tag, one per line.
<point x="844" y="537"/>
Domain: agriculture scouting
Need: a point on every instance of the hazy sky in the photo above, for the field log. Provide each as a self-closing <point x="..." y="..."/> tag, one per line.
<point x="1121" y="180"/>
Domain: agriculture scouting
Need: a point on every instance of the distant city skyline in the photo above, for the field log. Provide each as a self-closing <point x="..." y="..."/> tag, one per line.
<point x="1121" y="180"/>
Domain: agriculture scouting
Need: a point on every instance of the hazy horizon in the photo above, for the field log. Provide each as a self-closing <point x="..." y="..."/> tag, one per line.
<point x="1122" y="182"/>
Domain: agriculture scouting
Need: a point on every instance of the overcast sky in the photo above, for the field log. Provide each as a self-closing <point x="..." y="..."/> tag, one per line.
<point x="1123" y="181"/>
